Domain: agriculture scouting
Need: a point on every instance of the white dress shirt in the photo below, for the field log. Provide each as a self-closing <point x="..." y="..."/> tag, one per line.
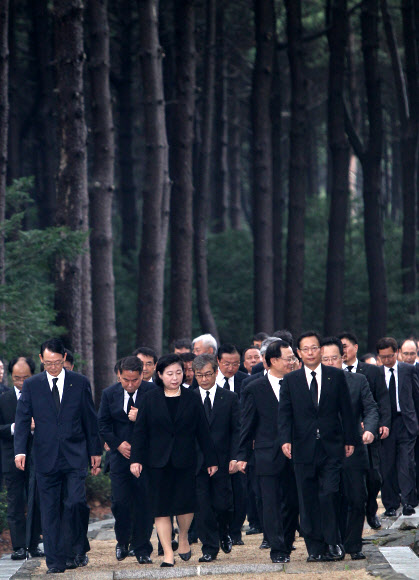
<point x="310" y="377"/>
<point x="211" y="392"/>
<point x="353" y="370"/>
<point x="60" y="382"/>
<point x="221" y="379"/>
<point x="274" y="384"/>
<point x="387" y="375"/>
<point x="126" y="399"/>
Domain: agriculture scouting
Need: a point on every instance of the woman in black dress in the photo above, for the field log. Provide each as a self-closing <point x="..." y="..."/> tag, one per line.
<point x="169" y="421"/>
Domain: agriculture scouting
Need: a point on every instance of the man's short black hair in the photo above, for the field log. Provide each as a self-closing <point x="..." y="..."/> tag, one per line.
<point x="387" y="342"/>
<point x="30" y="362"/>
<point x="349" y="336"/>
<point x="260" y="336"/>
<point x="253" y="347"/>
<point x="306" y="334"/>
<point x="333" y="340"/>
<point x="285" y="335"/>
<point x="227" y="348"/>
<point x="146" y="352"/>
<point x="366" y="356"/>
<point x="129" y="363"/>
<point x="69" y="357"/>
<point x="53" y="345"/>
<point x="187" y="356"/>
<point x="274" y="350"/>
<point x="181" y="343"/>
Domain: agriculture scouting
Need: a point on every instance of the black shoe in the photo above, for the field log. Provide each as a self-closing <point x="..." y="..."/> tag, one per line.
<point x="280" y="559"/>
<point x="131" y="552"/>
<point x="238" y="542"/>
<point x="253" y="530"/>
<point x="19" y="554"/>
<point x="207" y="558"/>
<point x="357" y="556"/>
<point x="373" y="522"/>
<point x="144" y="559"/>
<point x="316" y="558"/>
<point x="265" y="545"/>
<point x="226" y="544"/>
<point x="55" y="571"/>
<point x="175" y="545"/>
<point x="81" y="560"/>
<point x="334" y="553"/>
<point x="166" y="565"/>
<point x="70" y="564"/>
<point x="187" y="556"/>
<point x="36" y="553"/>
<point x="391" y="513"/>
<point x="121" y="552"/>
<point x="408" y="510"/>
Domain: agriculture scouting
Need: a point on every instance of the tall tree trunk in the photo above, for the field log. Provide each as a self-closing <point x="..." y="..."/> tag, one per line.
<point x="45" y="133"/>
<point x="101" y="197"/>
<point x="338" y="169"/>
<point x="234" y="152"/>
<point x="4" y="123"/>
<point x="181" y="151"/>
<point x="294" y="289"/>
<point x="126" y="189"/>
<point x="13" y="162"/>
<point x="72" y="193"/>
<point x="156" y="189"/>
<point x="201" y="201"/>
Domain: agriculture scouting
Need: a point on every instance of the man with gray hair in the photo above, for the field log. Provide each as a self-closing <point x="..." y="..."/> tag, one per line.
<point x="204" y="344"/>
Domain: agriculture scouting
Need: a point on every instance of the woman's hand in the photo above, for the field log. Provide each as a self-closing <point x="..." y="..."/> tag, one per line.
<point x="136" y="469"/>
<point x="213" y="469"/>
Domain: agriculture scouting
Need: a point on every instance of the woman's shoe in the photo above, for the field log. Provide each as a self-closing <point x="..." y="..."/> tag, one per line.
<point x="166" y="565"/>
<point x="187" y="556"/>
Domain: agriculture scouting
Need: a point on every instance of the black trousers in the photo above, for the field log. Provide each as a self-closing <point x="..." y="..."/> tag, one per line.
<point x="318" y="495"/>
<point x="215" y="509"/>
<point x="352" y="508"/>
<point x="398" y="466"/>
<point x="239" y="484"/>
<point x="131" y="510"/>
<point x="252" y="498"/>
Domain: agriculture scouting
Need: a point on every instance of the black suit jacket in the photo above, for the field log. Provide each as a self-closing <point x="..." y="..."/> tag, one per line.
<point x="224" y="426"/>
<point x="260" y="424"/>
<point x="258" y="368"/>
<point x="252" y="378"/>
<point x="157" y="439"/>
<point x="379" y="391"/>
<point x="300" y="421"/>
<point x="408" y="387"/>
<point x="8" y="403"/>
<point x="239" y="377"/>
<point x="114" y="425"/>
<point x="365" y="409"/>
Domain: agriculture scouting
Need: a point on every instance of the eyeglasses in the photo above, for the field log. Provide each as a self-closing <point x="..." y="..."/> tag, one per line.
<point x="56" y="363"/>
<point x="290" y="359"/>
<point x="198" y="376"/>
<point x="229" y="364"/>
<point x="328" y="359"/>
<point x="310" y="349"/>
<point x="387" y="356"/>
<point x="148" y="364"/>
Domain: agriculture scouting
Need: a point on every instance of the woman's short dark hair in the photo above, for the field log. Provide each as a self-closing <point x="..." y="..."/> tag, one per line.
<point x="164" y="362"/>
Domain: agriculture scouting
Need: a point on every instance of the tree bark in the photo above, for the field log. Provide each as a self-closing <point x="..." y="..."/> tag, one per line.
<point x="338" y="169"/>
<point x="14" y="141"/>
<point x="294" y="289"/>
<point x="234" y="153"/>
<point x="156" y="189"/>
<point x="4" y="123"/>
<point x="201" y="200"/>
<point x="181" y="152"/>
<point x="101" y="197"/>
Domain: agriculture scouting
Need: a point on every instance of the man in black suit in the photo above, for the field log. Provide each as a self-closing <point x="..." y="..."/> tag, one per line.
<point x="317" y="429"/>
<point x="148" y="357"/>
<point x="65" y="442"/>
<point x="20" y="485"/>
<point x="352" y="507"/>
<point x="260" y="403"/>
<point x="117" y="415"/>
<point x="397" y="451"/>
<point x="380" y="393"/>
<point x="215" y="494"/>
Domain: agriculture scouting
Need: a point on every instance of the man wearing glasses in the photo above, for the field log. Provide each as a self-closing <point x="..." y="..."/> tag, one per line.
<point x="66" y="440"/>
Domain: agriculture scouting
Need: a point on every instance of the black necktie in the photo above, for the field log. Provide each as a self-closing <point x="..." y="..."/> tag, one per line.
<point x="349" y="368"/>
<point x="207" y="406"/>
<point x="280" y="382"/>
<point x="226" y="384"/>
<point x="56" y="394"/>
<point x="314" y="389"/>
<point x="130" y="402"/>
<point x="392" y="393"/>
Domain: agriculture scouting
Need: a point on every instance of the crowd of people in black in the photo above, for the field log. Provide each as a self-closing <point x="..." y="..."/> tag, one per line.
<point x="297" y="436"/>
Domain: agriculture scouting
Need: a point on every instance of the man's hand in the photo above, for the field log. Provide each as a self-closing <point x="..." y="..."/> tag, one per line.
<point x="32" y="424"/>
<point x="132" y="415"/>
<point x="367" y="437"/>
<point x="241" y="466"/>
<point x="20" y="462"/>
<point x="125" y="449"/>
<point x="232" y="467"/>
<point x="213" y="469"/>
<point x="384" y="432"/>
<point x="349" y="449"/>
<point x="136" y="469"/>
<point x="286" y="450"/>
<point x="95" y="463"/>
<point x="106" y="447"/>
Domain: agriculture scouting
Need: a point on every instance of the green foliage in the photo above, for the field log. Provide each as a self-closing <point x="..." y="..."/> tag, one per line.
<point x="3" y="511"/>
<point x="98" y="488"/>
<point x="125" y="271"/>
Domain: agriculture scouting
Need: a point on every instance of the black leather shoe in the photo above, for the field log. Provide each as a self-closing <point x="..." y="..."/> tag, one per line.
<point x="280" y="559"/>
<point x="36" y="553"/>
<point x="55" y="571"/>
<point x="175" y="545"/>
<point x="186" y="557"/>
<point x="391" y="513"/>
<point x="144" y="559"/>
<point x="81" y="560"/>
<point x="374" y="522"/>
<point x="238" y="542"/>
<point x="357" y="556"/>
<point x="408" y="510"/>
<point x="226" y="544"/>
<point x="131" y="552"/>
<point x="19" y="554"/>
<point x="265" y="545"/>
<point x="70" y="564"/>
<point x="207" y="558"/>
<point x="316" y="558"/>
<point x="121" y="552"/>
<point x="166" y="565"/>
<point x="252" y="530"/>
<point x="334" y="553"/>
